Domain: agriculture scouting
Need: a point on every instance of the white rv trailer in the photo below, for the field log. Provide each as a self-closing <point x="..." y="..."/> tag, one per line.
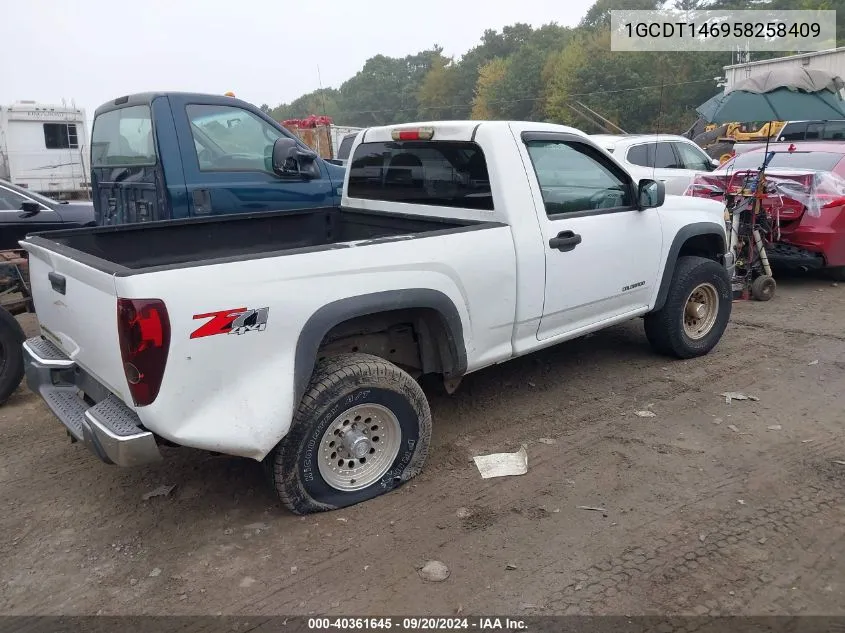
<point x="44" y="148"/>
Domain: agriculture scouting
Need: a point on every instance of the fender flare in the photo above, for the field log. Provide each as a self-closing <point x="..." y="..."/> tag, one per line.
<point x="689" y="231"/>
<point x="336" y="312"/>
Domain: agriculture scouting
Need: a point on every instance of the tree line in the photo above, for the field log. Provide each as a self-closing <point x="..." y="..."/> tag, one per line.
<point x="552" y="73"/>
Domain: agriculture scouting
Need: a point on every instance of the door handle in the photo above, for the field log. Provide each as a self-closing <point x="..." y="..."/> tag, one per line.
<point x="565" y="241"/>
<point x="57" y="282"/>
<point x="202" y="201"/>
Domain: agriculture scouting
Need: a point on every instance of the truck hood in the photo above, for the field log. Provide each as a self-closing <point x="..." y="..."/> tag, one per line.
<point x="695" y="206"/>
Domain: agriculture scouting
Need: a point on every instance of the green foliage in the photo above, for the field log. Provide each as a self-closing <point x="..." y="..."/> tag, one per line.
<point x="542" y="74"/>
<point x="437" y="93"/>
<point x="516" y="95"/>
<point x="490" y="77"/>
<point x="317" y="102"/>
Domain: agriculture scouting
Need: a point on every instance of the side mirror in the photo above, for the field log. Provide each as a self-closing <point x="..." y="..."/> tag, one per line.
<point x="650" y="193"/>
<point x="30" y="209"/>
<point x="714" y="162"/>
<point x="289" y="161"/>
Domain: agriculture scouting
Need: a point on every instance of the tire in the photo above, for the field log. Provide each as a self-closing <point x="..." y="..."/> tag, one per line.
<point x="665" y="328"/>
<point x="763" y="288"/>
<point x="364" y="388"/>
<point x="11" y="354"/>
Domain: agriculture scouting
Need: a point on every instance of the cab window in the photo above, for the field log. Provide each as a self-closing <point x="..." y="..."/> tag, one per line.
<point x="659" y="155"/>
<point x="574" y="177"/>
<point x="229" y="138"/>
<point x="123" y="137"/>
<point x="693" y="158"/>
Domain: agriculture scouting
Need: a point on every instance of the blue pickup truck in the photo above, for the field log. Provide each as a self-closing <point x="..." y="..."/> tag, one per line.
<point x="171" y="155"/>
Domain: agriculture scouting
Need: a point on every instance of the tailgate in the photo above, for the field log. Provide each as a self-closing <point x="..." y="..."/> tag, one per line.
<point x="76" y="306"/>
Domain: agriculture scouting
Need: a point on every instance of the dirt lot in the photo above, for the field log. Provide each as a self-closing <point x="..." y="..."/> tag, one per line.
<point x="710" y="508"/>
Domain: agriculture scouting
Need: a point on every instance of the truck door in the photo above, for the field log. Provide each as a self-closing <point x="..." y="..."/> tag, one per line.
<point x="227" y="160"/>
<point x="602" y="253"/>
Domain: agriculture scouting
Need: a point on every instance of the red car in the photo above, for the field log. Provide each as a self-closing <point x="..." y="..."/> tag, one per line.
<point x="812" y="172"/>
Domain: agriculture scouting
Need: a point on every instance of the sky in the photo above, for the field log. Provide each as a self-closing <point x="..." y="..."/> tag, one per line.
<point x="265" y="51"/>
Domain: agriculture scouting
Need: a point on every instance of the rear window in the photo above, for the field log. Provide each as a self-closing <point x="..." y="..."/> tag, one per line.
<point x="793" y="132"/>
<point x="440" y="173"/>
<point x="834" y="131"/>
<point x="123" y="137"/>
<point x="820" y="161"/>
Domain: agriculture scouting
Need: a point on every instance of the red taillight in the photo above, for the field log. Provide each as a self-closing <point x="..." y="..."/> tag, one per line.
<point x="706" y="186"/>
<point x="143" y="329"/>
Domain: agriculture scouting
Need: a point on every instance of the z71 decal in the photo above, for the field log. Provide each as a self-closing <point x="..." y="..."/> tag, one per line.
<point x="235" y="321"/>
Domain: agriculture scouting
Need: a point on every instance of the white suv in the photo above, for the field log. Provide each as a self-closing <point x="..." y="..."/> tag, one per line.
<point x="675" y="160"/>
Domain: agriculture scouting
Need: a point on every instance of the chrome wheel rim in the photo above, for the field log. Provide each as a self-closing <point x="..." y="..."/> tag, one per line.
<point x="701" y="311"/>
<point x="359" y="447"/>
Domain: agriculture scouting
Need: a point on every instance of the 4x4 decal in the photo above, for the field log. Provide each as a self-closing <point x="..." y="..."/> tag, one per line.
<point x="234" y="321"/>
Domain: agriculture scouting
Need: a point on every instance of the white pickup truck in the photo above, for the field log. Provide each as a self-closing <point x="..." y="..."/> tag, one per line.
<point x="298" y="338"/>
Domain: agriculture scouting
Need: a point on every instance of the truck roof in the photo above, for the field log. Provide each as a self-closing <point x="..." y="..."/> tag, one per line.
<point x="459" y="130"/>
<point x="146" y="98"/>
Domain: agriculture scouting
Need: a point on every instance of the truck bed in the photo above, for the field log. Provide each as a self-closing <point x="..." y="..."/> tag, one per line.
<point x="132" y="249"/>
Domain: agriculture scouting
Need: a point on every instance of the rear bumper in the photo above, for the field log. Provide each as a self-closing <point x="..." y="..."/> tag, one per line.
<point x="110" y="429"/>
<point x="790" y="257"/>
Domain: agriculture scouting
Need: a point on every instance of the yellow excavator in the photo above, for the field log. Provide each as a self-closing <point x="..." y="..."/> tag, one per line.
<point x="757" y="131"/>
<point x="719" y="140"/>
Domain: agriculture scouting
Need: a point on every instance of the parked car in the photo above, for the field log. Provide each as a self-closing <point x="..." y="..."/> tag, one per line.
<point x="812" y="131"/>
<point x="171" y="155"/>
<point x="798" y="131"/>
<point x="23" y="211"/>
<point x="674" y="160"/>
<point x="296" y="337"/>
<point x="806" y="241"/>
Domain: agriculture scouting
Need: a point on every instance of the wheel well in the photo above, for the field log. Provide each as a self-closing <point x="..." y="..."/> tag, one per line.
<point x="416" y="339"/>
<point x="698" y="239"/>
<point x="707" y="245"/>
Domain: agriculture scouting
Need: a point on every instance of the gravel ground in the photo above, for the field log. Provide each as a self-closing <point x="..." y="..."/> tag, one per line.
<point x="706" y="508"/>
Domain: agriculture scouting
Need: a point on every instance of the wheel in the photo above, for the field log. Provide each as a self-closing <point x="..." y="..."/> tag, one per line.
<point x="11" y="354"/>
<point x="696" y="311"/>
<point x="763" y="288"/>
<point x="362" y="429"/>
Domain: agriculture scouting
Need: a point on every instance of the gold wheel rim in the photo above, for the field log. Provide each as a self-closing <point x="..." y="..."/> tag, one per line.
<point x="701" y="311"/>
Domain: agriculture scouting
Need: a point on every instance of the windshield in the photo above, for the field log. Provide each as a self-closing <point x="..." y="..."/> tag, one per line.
<point x="817" y="161"/>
